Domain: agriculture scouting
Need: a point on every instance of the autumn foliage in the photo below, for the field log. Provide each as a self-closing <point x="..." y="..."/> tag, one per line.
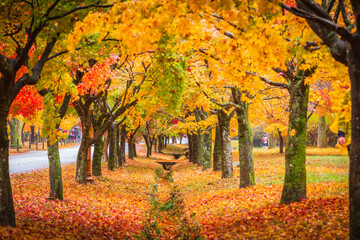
<point x="189" y="202"/>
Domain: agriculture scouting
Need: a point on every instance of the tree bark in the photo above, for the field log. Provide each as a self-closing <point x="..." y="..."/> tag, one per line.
<point x="207" y="149"/>
<point x="32" y="136"/>
<point x="271" y="140"/>
<point x="123" y="134"/>
<point x="80" y="176"/>
<point x="247" y="173"/>
<point x="7" y="213"/>
<point x="105" y="155"/>
<point x="130" y="149"/>
<point x="281" y="143"/>
<point x="118" y="159"/>
<point x="112" y="147"/>
<point x="55" y="175"/>
<point x="160" y="143"/>
<point x="207" y="143"/>
<point x="98" y="152"/>
<point x="353" y="60"/>
<point x="148" y="145"/>
<point x="294" y="188"/>
<point x="15" y="137"/>
<point x="195" y="148"/>
<point x="134" y="150"/>
<point x="321" y="132"/>
<point x="217" y="150"/>
<point x="190" y="144"/>
<point x="226" y="154"/>
<point x="200" y="140"/>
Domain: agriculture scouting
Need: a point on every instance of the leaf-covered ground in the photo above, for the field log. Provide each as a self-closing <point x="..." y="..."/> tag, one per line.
<point x="139" y="201"/>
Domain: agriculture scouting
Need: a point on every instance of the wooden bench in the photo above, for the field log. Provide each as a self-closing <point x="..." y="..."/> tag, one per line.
<point x="167" y="165"/>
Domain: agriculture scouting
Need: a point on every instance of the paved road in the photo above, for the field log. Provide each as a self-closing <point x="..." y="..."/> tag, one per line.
<point x="38" y="159"/>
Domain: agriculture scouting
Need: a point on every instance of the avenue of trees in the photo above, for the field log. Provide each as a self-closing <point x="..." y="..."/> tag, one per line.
<point x="154" y="70"/>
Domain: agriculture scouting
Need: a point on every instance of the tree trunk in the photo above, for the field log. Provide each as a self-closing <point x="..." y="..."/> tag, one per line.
<point x="155" y="145"/>
<point x="112" y="147"/>
<point x="195" y="148"/>
<point x="353" y="59"/>
<point x="281" y="143"/>
<point x="200" y="140"/>
<point x="247" y="173"/>
<point x="84" y="146"/>
<point x="294" y="188"/>
<point x="217" y="150"/>
<point x="191" y="150"/>
<point x="32" y="136"/>
<point x="160" y="143"/>
<point x="207" y="149"/>
<point x="134" y="150"/>
<point x="148" y="145"/>
<point x="122" y="158"/>
<point x="321" y="132"/>
<point x="271" y="140"/>
<point x="105" y="155"/>
<point x="165" y="141"/>
<point x="81" y="159"/>
<point x="7" y="213"/>
<point x="118" y="159"/>
<point x="226" y="154"/>
<point x="98" y="152"/>
<point x="23" y="134"/>
<point x="15" y="137"/>
<point x="55" y="175"/>
<point x="130" y="149"/>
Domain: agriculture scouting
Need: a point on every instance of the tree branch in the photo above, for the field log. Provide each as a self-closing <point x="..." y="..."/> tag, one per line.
<point x="78" y="48"/>
<point x="328" y="36"/>
<point x="277" y="84"/>
<point x="77" y="9"/>
<point x="5" y="67"/>
<point x="343" y="32"/>
<point x="26" y="79"/>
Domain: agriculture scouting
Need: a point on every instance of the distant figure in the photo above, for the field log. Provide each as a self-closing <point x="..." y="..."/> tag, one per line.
<point x="343" y="124"/>
<point x="265" y="141"/>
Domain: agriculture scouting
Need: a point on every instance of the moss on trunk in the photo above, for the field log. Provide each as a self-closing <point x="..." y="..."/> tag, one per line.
<point x="217" y="150"/>
<point x="226" y="154"/>
<point x="96" y="161"/>
<point x="207" y="149"/>
<point x="121" y="154"/>
<point x="247" y="173"/>
<point x="16" y="131"/>
<point x="200" y="140"/>
<point x="112" y="148"/>
<point x="294" y="188"/>
<point x="321" y="132"/>
<point x="7" y="213"/>
<point x="55" y="174"/>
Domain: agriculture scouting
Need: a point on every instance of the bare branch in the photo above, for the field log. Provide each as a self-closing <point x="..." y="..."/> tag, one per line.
<point x="77" y="9"/>
<point x="343" y="32"/>
<point x="26" y="79"/>
<point x="277" y="84"/>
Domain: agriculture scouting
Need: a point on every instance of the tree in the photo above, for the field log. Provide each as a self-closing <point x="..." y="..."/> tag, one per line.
<point x="345" y="48"/>
<point x="23" y="24"/>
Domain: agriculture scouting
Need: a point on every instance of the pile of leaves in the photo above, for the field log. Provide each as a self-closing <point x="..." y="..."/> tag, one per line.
<point x="139" y="201"/>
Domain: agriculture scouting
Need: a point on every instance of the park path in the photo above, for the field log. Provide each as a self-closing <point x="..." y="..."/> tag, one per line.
<point x="35" y="160"/>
